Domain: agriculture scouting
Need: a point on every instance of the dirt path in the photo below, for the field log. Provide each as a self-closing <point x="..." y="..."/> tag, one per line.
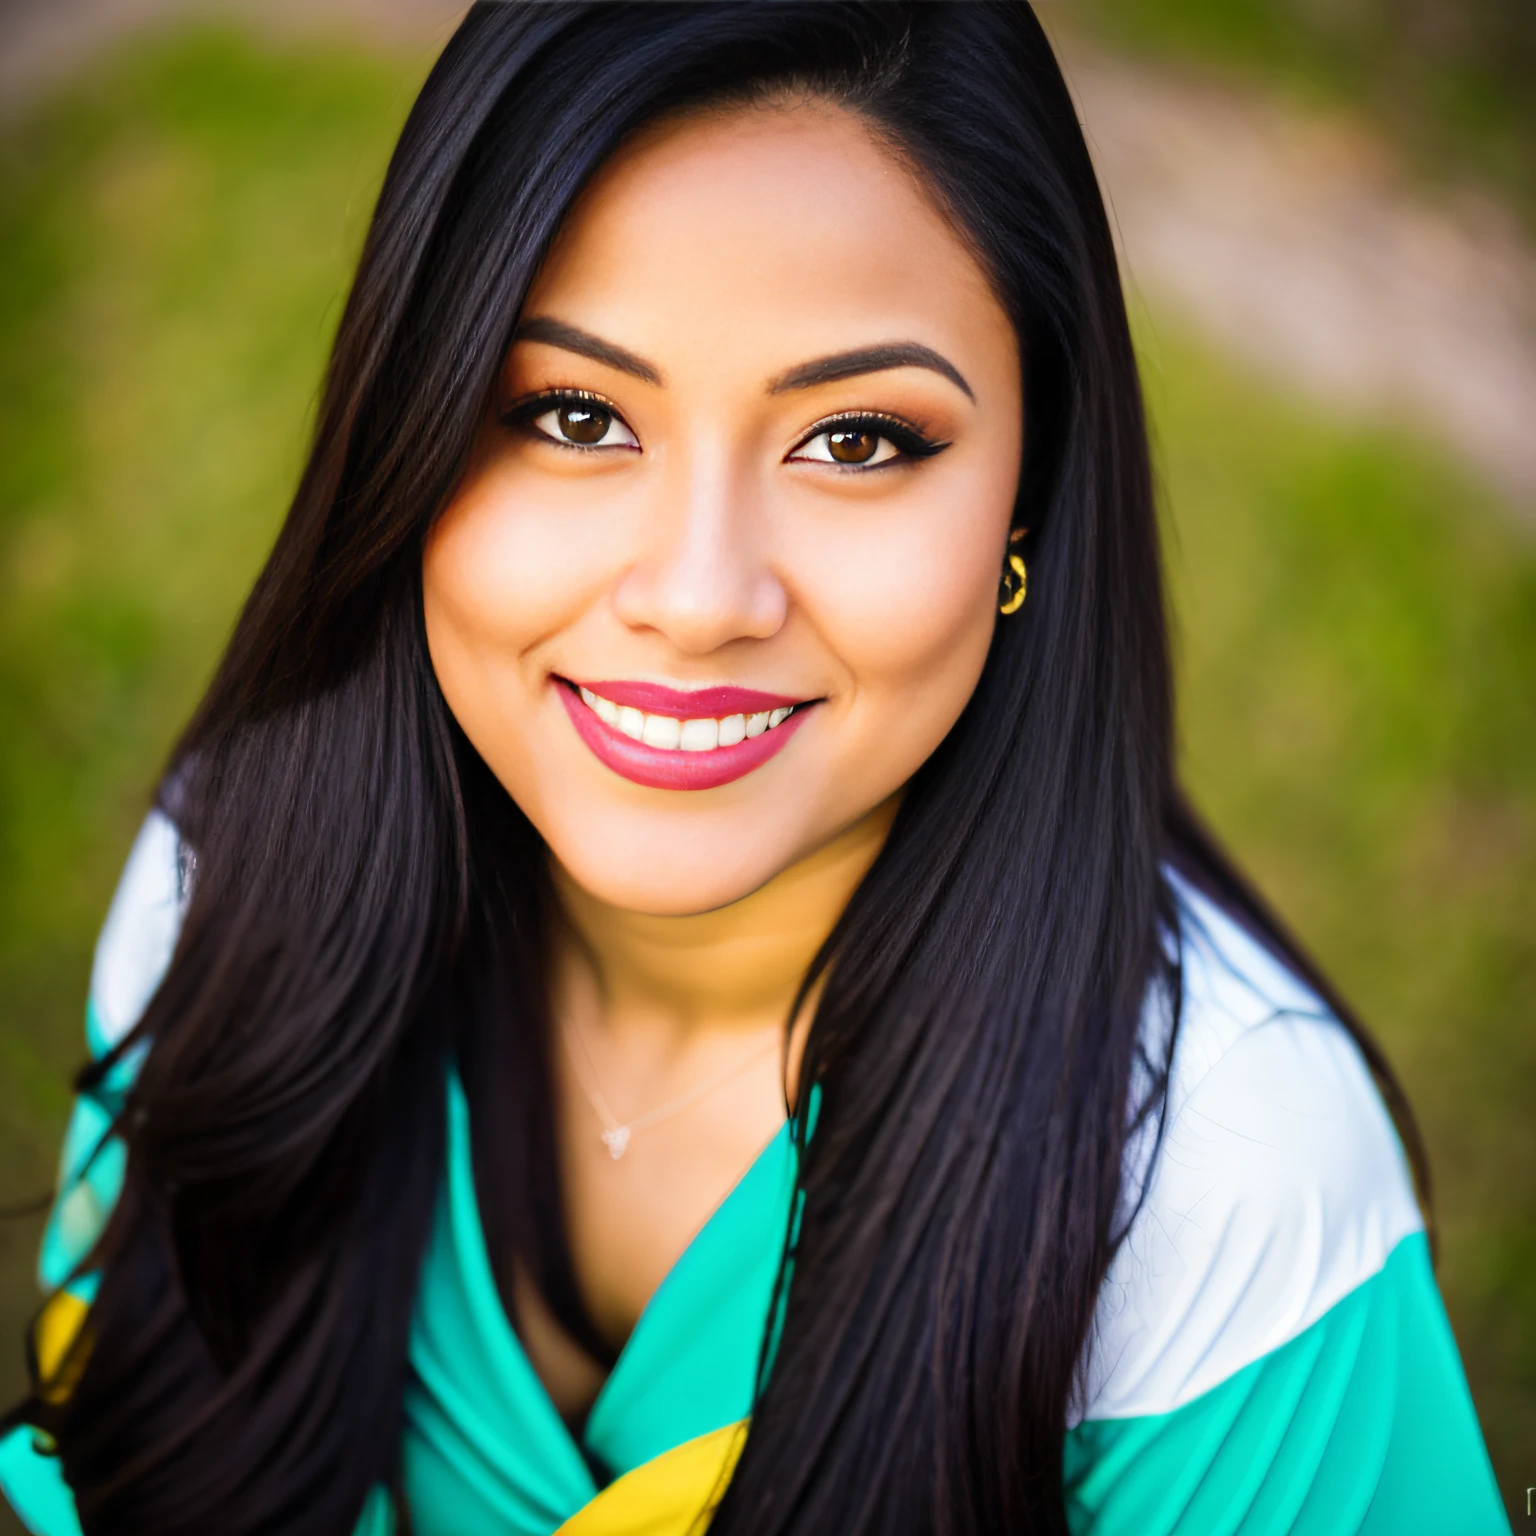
<point x="1294" y="241"/>
<point x="1290" y="239"/>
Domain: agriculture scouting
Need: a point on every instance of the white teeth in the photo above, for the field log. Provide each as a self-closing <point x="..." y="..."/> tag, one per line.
<point x="699" y="736"/>
<point x="604" y="709"/>
<point x="674" y="735"/>
<point x="662" y="731"/>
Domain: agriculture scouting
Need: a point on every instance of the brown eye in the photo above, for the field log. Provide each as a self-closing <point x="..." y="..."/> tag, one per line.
<point x="864" y="442"/>
<point x="583" y="423"/>
<point x="851" y="446"/>
<point x="576" y="422"/>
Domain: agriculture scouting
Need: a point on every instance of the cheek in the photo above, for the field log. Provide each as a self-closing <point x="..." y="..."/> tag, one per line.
<point x="499" y="575"/>
<point x="493" y="577"/>
<point x="910" y="613"/>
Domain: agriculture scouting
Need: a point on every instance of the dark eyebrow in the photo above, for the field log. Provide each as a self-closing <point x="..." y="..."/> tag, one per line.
<point x="848" y="365"/>
<point x="556" y="333"/>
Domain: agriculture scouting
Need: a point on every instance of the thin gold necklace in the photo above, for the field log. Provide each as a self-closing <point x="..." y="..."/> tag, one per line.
<point x="616" y="1133"/>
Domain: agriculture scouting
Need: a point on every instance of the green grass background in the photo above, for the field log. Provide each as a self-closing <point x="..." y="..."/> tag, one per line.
<point x="1357" y="617"/>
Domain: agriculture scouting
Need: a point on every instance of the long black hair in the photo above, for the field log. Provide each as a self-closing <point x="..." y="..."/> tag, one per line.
<point x="368" y="903"/>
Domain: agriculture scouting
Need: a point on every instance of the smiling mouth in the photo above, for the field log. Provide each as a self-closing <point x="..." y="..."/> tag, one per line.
<point x="671" y="733"/>
<point x="669" y="738"/>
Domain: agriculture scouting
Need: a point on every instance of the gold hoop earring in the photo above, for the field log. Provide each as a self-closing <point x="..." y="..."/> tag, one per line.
<point x="1015" y="580"/>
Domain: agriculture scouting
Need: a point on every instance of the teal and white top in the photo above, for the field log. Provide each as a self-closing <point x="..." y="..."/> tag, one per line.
<point x="1270" y="1352"/>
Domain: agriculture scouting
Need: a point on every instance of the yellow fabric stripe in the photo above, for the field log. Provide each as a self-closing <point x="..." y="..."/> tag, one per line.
<point x="58" y="1325"/>
<point x="674" y="1495"/>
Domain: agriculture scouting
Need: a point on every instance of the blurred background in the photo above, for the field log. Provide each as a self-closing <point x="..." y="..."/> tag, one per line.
<point x="1327" y="216"/>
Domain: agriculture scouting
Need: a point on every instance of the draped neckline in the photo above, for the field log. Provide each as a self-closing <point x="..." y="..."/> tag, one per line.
<point x="478" y="1411"/>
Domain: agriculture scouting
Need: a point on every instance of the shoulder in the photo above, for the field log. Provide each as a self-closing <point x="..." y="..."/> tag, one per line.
<point x="1278" y="1185"/>
<point x="140" y="931"/>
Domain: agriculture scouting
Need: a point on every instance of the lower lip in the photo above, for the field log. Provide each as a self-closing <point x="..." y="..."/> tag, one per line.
<point x="660" y="769"/>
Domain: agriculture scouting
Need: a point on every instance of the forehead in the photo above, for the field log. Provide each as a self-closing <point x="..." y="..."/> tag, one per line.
<point x="769" y="229"/>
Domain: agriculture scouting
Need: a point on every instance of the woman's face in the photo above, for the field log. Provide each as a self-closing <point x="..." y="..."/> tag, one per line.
<point x="755" y="449"/>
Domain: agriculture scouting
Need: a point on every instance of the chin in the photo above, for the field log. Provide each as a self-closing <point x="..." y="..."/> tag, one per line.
<point x="700" y="875"/>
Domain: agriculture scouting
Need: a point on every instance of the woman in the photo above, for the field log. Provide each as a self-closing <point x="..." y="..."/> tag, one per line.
<point x="647" y="933"/>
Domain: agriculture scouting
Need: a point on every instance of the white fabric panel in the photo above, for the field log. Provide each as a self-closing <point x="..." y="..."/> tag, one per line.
<point x="1279" y="1185"/>
<point x="140" y="932"/>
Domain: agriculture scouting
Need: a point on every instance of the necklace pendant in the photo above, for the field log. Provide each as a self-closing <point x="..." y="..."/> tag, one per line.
<point x="617" y="1141"/>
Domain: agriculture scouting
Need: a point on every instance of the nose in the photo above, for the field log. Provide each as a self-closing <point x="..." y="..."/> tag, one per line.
<point x="701" y="577"/>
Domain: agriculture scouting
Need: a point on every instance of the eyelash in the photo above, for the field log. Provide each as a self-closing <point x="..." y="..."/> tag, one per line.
<point x="522" y="413"/>
<point x="910" y="443"/>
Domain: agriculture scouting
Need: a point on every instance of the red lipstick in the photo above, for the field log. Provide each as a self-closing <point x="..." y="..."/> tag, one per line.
<point x="689" y="704"/>
<point x="658" y="768"/>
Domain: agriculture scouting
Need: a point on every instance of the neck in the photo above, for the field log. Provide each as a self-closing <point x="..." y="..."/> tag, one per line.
<point x="736" y="968"/>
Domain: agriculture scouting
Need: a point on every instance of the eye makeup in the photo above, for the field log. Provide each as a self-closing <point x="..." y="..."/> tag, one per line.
<point x="584" y="419"/>
<point x="853" y="441"/>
